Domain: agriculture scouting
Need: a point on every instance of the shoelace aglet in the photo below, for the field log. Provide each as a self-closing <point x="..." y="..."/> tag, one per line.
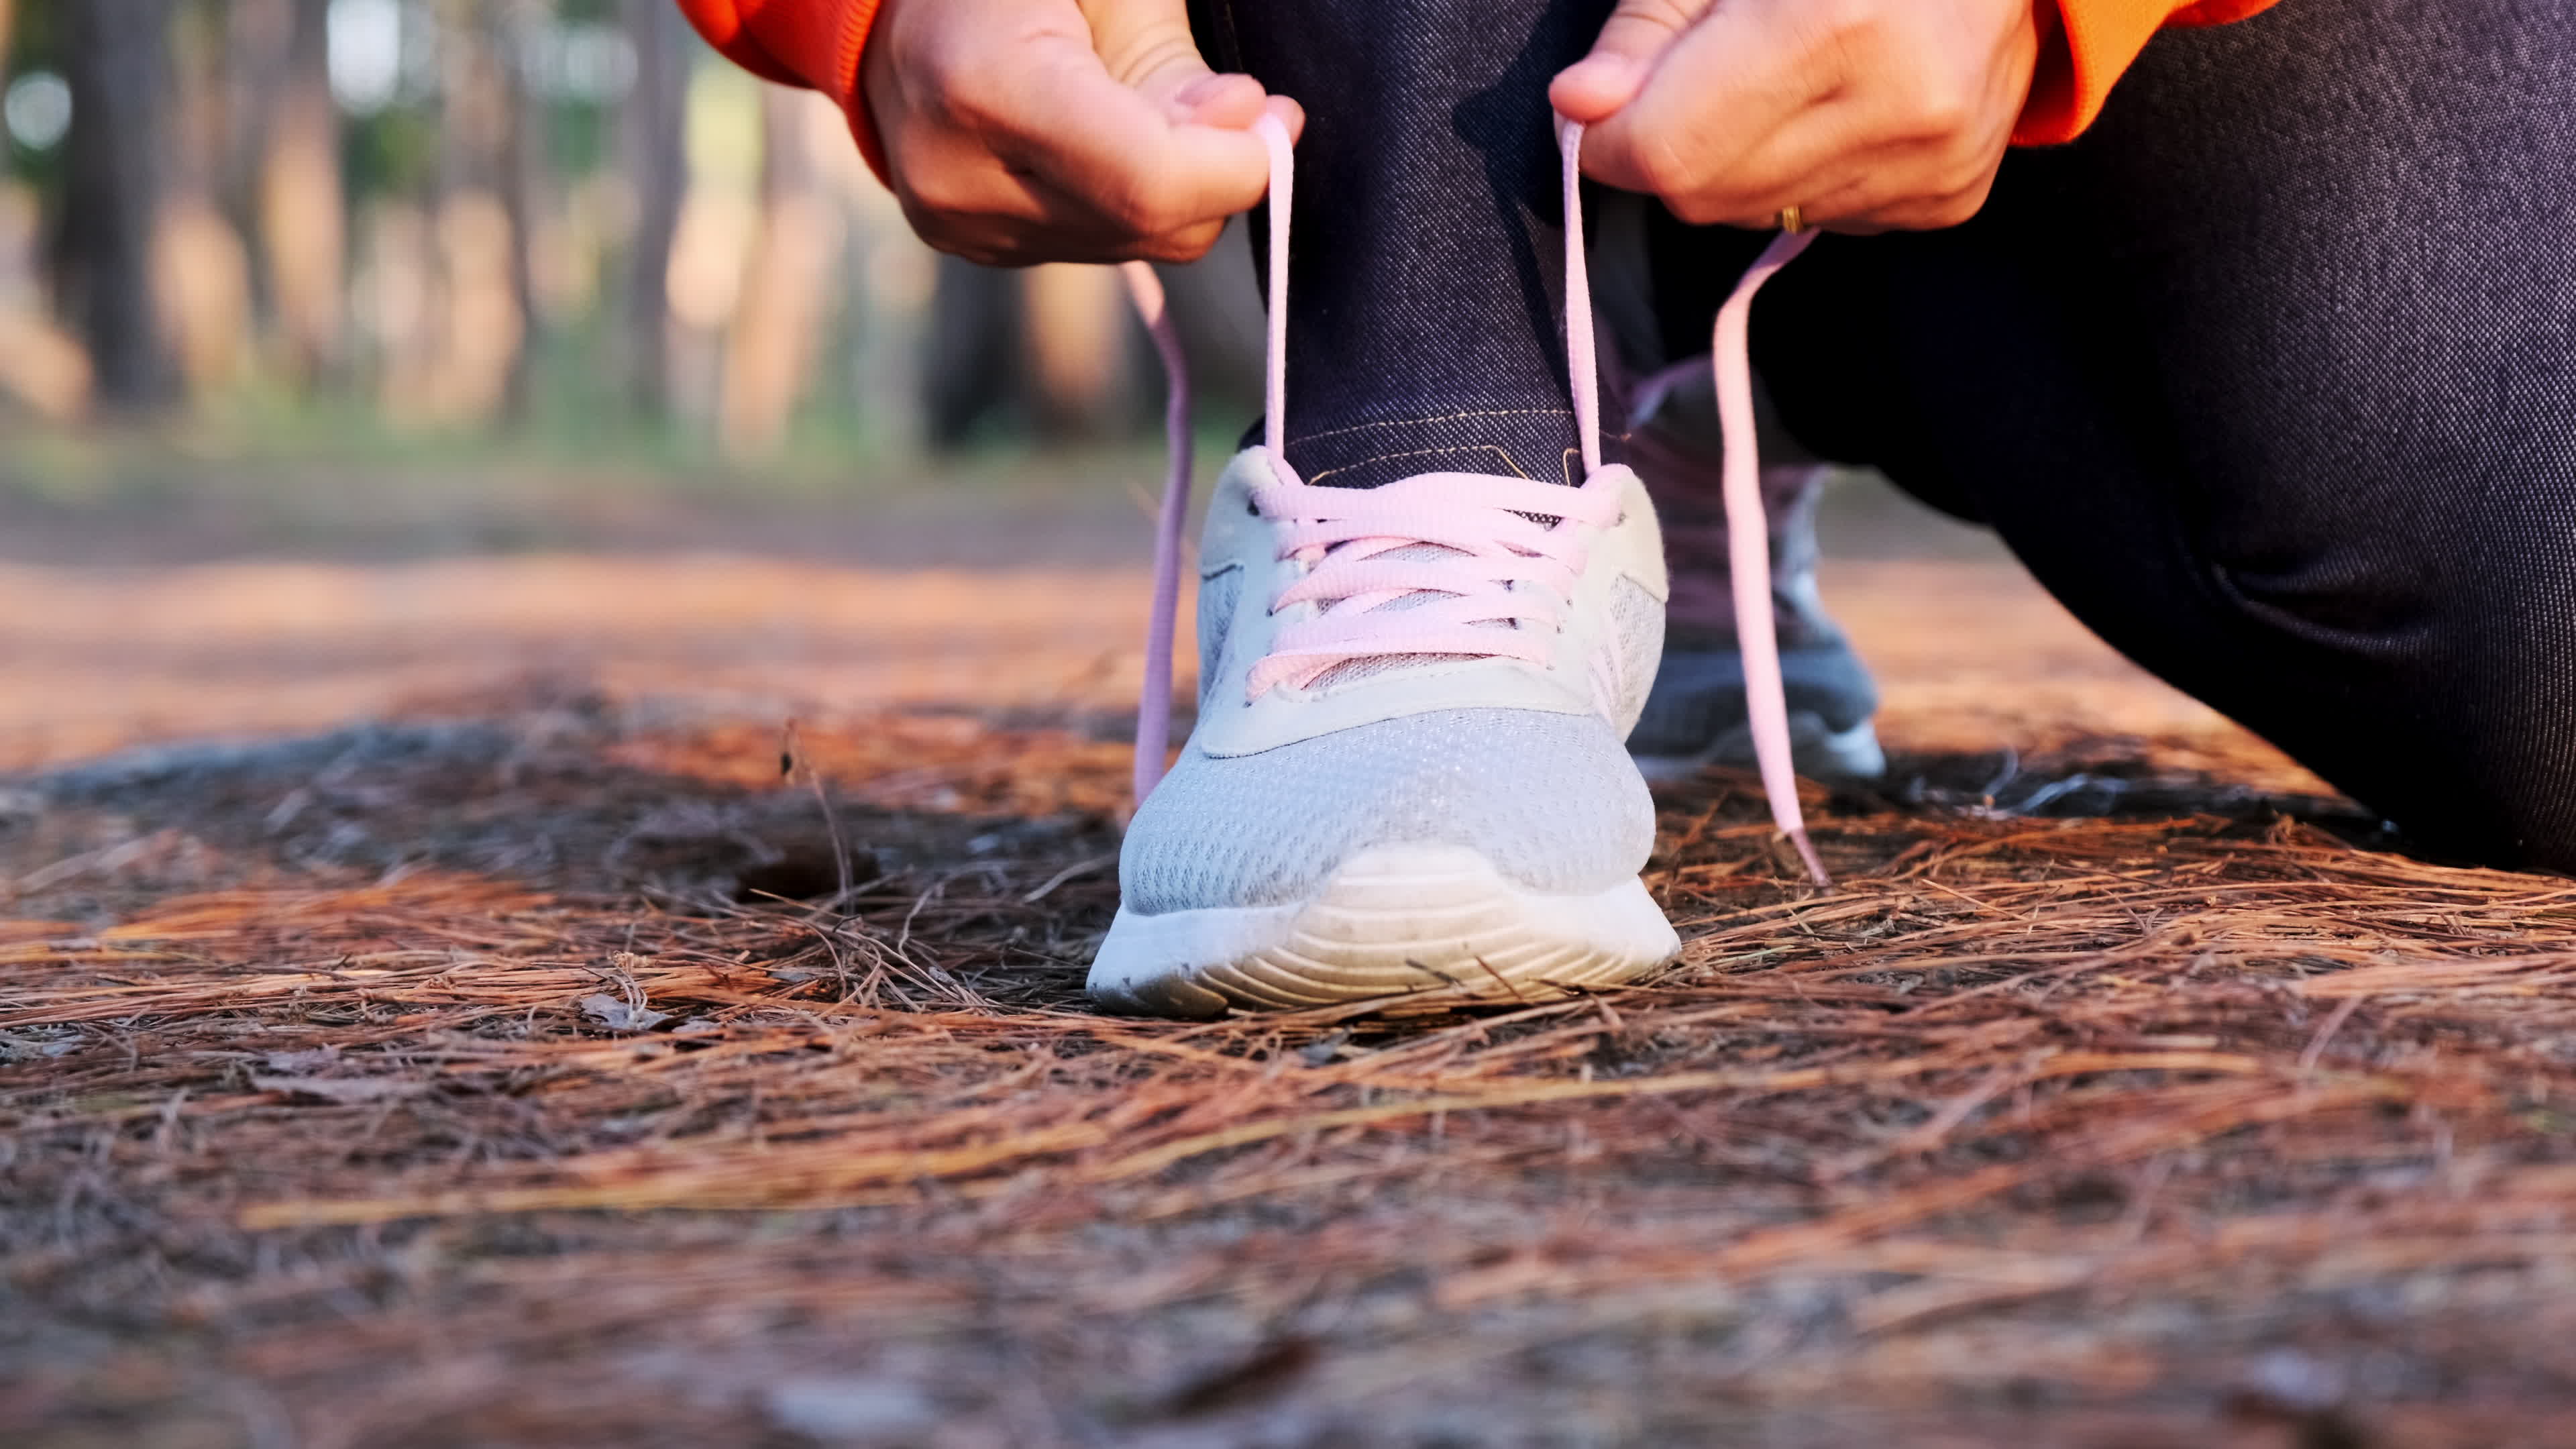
<point x="1807" y="852"/>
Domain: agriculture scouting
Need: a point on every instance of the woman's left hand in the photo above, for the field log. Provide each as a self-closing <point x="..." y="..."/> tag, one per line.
<point x="1866" y="115"/>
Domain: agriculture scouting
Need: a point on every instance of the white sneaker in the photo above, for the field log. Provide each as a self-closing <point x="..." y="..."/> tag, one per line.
<point x="1390" y="813"/>
<point x="1408" y="773"/>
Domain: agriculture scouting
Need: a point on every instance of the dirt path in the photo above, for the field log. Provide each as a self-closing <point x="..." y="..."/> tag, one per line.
<point x="1972" y="655"/>
<point x="486" y="1047"/>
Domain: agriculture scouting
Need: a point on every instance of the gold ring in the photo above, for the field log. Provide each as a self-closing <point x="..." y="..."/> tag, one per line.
<point x="1792" y="220"/>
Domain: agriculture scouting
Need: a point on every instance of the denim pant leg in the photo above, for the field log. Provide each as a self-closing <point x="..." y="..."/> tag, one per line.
<point x="2271" y="378"/>
<point x="1427" y="262"/>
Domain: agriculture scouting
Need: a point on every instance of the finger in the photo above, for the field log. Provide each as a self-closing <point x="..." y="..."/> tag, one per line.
<point x="1821" y="160"/>
<point x="1719" y="93"/>
<point x="1019" y="244"/>
<point x="1631" y="42"/>
<point x="1080" y="130"/>
<point x="1213" y="99"/>
<point x="1011" y="216"/>
<point x="1186" y="245"/>
<point x="1014" y="218"/>
<point x="1921" y="210"/>
<point x="1851" y="160"/>
<point x="1071" y="229"/>
<point x="1907" y="185"/>
<point x="1014" y="215"/>
<point x="1916" y="187"/>
<point x="1290" y="114"/>
<point x="1146" y="46"/>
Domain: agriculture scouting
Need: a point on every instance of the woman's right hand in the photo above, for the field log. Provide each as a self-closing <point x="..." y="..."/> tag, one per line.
<point x="1022" y="131"/>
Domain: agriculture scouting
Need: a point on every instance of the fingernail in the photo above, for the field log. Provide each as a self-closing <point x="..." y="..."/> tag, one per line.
<point x="1589" y="90"/>
<point x="1198" y="90"/>
<point x="1606" y="72"/>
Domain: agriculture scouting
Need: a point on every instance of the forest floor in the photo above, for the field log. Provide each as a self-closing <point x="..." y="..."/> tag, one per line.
<point x="428" y="1017"/>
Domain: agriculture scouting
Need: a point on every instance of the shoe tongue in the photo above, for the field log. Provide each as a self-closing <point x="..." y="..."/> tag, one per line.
<point x="1353" y="670"/>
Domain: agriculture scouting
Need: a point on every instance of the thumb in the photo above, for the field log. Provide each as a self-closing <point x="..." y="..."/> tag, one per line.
<point x="1634" y="38"/>
<point x="1147" y="47"/>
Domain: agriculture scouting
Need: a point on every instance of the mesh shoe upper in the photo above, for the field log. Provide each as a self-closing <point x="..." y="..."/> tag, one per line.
<point x="1550" y="799"/>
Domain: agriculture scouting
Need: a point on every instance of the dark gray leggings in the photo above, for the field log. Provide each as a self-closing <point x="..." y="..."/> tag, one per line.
<point x="2270" y="377"/>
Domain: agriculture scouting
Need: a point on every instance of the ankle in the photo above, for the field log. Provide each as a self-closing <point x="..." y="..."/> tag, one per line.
<point x="1536" y="442"/>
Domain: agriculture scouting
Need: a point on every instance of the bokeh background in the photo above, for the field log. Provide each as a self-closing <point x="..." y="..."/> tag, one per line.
<point x="361" y="359"/>
<point x="527" y="229"/>
<point x="357" y="356"/>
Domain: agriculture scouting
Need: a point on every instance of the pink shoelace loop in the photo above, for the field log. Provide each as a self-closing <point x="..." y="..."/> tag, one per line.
<point x="1439" y="563"/>
<point x="1457" y="563"/>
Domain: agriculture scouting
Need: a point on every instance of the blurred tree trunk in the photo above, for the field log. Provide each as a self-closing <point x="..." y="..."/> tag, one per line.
<point x="40" y="365"/>
<point x="479" y="324"/>
<point x="1078" y="365"/>
<point x="971" y="354"/>
<point x="1046" y="347"/>
<point x="256" y="34"/>
<point x="1216" y="304"/>
<point x="117" y="59"/>
<point x="786" y="286"/>
<point x="201" y="272"/>
<point x="653" y="131"/>
<point x="302" y="212"/>
<point x="524" y="166"/>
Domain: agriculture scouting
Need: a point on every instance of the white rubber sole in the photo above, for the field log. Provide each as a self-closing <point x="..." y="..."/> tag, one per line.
<point x="1392" y="922"/>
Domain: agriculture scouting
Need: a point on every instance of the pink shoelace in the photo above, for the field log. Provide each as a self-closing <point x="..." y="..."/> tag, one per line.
<point x="1498" y="575"/>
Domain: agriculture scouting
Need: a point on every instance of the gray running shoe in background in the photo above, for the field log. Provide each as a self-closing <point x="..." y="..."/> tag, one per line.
<point x="1696" y="713"/>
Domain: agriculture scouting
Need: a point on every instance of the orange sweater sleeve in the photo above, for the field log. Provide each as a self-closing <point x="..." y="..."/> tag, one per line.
<point x="812" y="43"/>
<point x="2086" y="44"/>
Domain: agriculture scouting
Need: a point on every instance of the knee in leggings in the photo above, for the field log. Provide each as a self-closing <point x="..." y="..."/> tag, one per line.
<point x="2432" y="678"/>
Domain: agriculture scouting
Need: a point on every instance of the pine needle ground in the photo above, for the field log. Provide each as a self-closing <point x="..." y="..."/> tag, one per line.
<point x="538" y="1066"/>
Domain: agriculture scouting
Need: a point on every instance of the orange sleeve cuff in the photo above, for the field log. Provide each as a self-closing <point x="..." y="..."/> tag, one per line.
<point x="811" y="43"/>
<point x="2085" y="45"/>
